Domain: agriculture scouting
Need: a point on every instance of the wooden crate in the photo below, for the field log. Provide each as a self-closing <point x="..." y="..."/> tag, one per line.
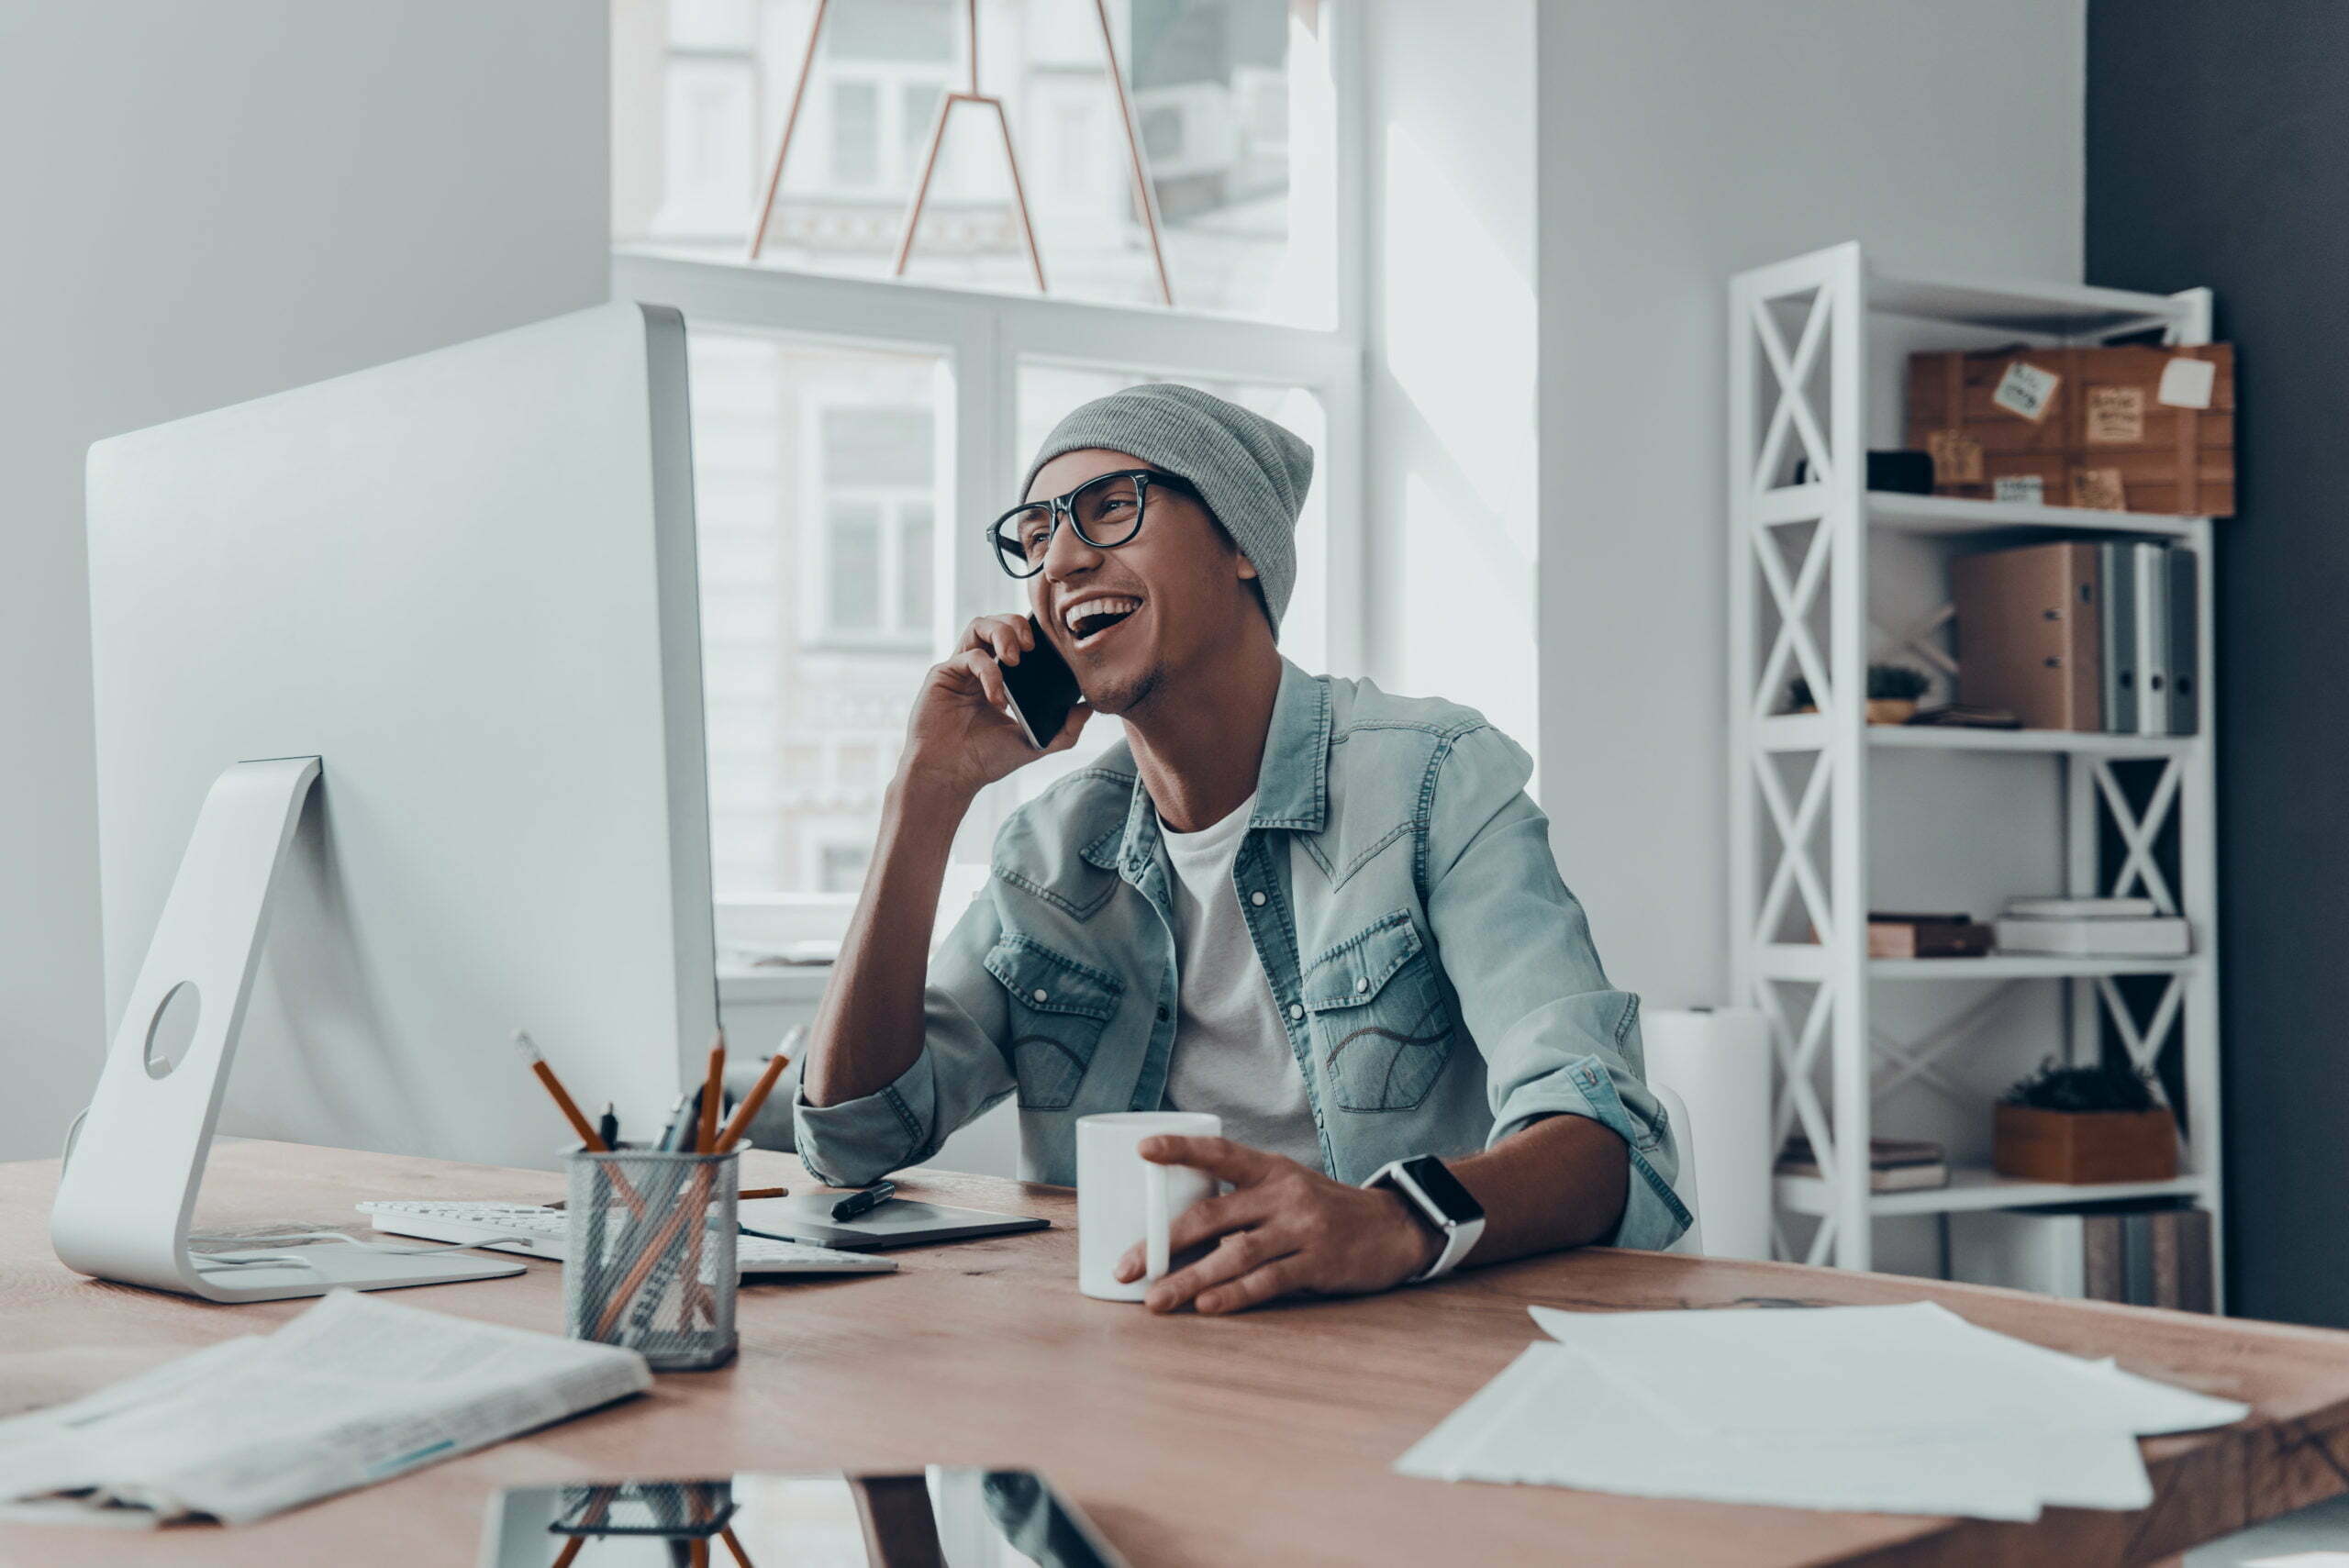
<point x="2102" y="436"/>
<point x="2083" y="1146"/>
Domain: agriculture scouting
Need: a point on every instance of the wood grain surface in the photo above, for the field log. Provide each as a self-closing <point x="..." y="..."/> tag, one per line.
<point x="1194" y="1443"/>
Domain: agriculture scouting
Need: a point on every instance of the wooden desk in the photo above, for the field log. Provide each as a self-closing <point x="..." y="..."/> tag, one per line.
<point x="1194" y="1443"/>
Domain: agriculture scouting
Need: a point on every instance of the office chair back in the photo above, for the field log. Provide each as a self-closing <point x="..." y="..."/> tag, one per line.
<point x="1684" y="1186"/>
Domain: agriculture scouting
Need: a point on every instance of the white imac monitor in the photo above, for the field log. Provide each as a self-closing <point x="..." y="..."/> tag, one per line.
<point x="466" y="583"/>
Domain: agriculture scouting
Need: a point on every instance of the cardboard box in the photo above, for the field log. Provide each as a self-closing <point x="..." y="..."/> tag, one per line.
<point x="2140" y="428"/>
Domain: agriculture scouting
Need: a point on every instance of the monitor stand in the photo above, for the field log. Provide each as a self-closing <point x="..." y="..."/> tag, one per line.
<point x="135" y="1161"/>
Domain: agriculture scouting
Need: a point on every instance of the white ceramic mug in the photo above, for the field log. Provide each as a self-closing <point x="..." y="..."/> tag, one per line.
<point x="1123" y="1198"/>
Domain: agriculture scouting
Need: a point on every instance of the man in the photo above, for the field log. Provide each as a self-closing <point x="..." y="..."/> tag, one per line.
<point x="1328" y="915"/>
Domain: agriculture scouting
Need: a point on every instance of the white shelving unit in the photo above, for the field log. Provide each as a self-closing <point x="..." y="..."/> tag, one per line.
<point x="1802" y="348"/>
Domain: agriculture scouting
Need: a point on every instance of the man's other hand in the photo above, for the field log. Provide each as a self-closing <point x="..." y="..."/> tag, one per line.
<point x="1283" y="1230"/>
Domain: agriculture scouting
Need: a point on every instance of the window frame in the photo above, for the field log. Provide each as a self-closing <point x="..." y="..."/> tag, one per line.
<point x="983" y="338"/>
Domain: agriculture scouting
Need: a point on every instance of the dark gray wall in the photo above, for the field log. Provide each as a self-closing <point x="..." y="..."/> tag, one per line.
<point x="2218" y="153"/>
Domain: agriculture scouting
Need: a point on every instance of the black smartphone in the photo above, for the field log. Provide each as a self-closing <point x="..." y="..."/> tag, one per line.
<point x="1043" y="687"/>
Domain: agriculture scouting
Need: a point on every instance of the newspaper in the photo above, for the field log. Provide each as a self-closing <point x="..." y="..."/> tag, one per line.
<point x="354" y="1391"/>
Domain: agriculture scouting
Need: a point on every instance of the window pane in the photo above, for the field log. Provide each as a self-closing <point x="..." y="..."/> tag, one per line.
<point x="890" y="448"/>
<point x="1230" y="98"/>
<point x="804" y="724"/>
<point x="919" y="100"/>
<point x="926" y="30"/>
<point x="708" y="145"/>
<point x="856" y="134"/>
<point x="914" y="566"/>
<point x="853" y="561"/>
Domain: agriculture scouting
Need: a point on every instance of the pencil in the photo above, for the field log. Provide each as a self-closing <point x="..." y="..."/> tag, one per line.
<point x="748" y="1193"/>
<point x="713" y="1089"/>
<point x="562" y="1100"/>
<point x="757" y="1097"/>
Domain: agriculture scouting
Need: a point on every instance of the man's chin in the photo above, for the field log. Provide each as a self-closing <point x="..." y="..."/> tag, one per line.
<point x="1119" y="693"/>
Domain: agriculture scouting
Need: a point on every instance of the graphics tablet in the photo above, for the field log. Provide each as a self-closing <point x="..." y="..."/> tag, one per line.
<point x="900" y="1222"/>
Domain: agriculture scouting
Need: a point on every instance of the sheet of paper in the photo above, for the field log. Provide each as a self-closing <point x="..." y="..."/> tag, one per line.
<point x="1884" y="1409"/>
<point x="356" y="1390"/>
<point x="1552" y="1420"/>
<point x="1839" y="1369"/>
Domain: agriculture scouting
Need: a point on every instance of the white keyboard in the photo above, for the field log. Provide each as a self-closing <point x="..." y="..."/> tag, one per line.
<point x="538" y="1232"/>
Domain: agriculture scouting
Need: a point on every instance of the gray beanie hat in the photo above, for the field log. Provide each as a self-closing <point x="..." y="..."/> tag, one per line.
<point x="1252" y="474"/>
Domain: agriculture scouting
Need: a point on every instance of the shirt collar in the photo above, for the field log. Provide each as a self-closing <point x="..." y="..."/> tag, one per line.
<point x="1292" y="783"/>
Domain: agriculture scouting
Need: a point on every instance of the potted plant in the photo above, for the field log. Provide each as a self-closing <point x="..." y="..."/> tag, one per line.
<point x="1893" y="690"/>
<point x="2083" y="1125"/>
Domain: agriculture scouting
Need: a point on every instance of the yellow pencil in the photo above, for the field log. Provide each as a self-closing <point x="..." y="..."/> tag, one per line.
<point x="712" y="1088"/>
<point x="564" y="1102"/>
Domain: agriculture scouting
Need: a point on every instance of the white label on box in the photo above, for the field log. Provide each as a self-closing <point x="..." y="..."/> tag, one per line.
<point x="2188" y="383"/>
<point x="2026" y="390"/>
<point x="2027" y="488"/>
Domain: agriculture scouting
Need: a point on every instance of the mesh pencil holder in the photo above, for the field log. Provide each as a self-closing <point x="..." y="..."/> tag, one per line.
<point x="649" y="1260"/>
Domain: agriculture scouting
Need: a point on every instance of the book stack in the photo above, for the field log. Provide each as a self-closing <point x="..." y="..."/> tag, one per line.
<point x="2157" y="1257"/>
<point x="2100" y="928"/>
<point x="1926" y="936"/>
<point x="1894" y="1164"/>
<point x="2081" y="636"/>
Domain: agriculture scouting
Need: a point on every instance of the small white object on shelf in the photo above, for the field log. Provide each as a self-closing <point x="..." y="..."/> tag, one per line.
<point x="2160" y="937"/>
<point x="2081" y="908"/>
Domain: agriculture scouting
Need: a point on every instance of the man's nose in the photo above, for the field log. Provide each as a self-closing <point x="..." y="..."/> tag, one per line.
<point x="1068" y="553"/>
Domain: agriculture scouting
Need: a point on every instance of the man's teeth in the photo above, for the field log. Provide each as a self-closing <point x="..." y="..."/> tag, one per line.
<point x="1076" y="615"/>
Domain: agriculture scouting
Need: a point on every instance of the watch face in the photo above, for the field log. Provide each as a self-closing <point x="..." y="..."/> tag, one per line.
<point x="1443" y="1189"/>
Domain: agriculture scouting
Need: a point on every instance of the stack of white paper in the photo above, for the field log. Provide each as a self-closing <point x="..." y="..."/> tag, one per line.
<point x="354" y="1391"/>
<point x="1879" y="1409"/>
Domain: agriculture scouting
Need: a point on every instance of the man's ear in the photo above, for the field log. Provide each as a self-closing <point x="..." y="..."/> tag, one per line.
<point x="1247" y="567"/>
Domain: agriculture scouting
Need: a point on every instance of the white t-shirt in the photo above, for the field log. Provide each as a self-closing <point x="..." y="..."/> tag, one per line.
<point x="1231" y="1056"/>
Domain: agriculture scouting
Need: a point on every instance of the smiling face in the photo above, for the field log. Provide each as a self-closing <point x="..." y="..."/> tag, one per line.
<point x="1174" y="599"/>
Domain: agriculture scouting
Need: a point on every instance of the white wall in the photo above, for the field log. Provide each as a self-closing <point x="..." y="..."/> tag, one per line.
<point x="206" y="202"/>
<point x="1679" y="142"/>
<point x="1448" y="135"/>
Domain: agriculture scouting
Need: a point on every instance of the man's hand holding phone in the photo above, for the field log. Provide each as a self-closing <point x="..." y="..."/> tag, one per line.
<point x="964" y="732"/>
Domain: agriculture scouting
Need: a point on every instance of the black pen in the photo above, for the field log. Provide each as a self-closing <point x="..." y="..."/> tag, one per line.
<point x="865" y="1202"/>
<point x="608" y="1126"/>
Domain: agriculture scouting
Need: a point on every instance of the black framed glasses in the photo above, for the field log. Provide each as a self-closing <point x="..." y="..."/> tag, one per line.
<point x="1106" y="511"/>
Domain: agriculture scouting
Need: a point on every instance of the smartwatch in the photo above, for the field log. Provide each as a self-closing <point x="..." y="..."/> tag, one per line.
<point x="1437" y="1197"/>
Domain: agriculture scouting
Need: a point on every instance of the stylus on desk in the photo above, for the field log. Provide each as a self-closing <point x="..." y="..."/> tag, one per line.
<point x="865" y="1202"/>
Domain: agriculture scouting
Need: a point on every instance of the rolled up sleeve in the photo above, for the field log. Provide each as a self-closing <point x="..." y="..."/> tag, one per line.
<point x="960" y="1072"/>
<point x="1557" y="1040"/>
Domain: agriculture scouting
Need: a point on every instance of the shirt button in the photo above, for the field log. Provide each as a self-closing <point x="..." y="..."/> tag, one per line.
<point x="1162" y="1014"/>
<point x="1362" y="985"/>
<point x="1257" y="899"/>
<point x="1297" y="1010"/>
<point x="1040" y="994"/>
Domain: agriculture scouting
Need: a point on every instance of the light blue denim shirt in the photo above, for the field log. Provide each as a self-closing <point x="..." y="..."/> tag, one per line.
<point x="1436" y="979"/>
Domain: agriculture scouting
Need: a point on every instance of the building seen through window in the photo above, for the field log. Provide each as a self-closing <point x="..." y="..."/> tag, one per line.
<point x="702" y="88"/>
<point x="815" y="474"/>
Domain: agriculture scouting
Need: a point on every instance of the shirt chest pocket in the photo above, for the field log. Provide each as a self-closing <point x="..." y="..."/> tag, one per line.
<point x="1058" y="1008"/>
<point x="1382" y="1026"/>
